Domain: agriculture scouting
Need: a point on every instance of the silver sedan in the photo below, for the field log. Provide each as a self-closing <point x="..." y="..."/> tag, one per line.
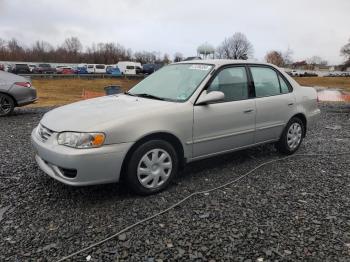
<point x="183" y="112"/>
<point x="15" y="91"/>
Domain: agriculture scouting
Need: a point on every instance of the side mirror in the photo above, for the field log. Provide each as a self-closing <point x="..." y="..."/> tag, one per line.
<point x="206" y="98"/>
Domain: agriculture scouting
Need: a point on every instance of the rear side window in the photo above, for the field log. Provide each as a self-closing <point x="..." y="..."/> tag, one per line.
<point x="265" y="81"/>
<point x="232" y="82"/>
<point x="284" y="86"/>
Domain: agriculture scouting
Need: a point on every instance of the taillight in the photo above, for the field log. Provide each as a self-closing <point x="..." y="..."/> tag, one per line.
<point x="24" y="84"/>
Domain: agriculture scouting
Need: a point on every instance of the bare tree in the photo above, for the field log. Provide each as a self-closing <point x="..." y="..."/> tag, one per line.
<point x="275" y="57"/>
<point x="235" y="47"/>
<point x="72" y="45"/>
<point x="166" y="59"/>
<point x="287" y="56"/>
<point x="145" y="57"/>
<point x="345" y="50"/>
<point x="178" y="57"/>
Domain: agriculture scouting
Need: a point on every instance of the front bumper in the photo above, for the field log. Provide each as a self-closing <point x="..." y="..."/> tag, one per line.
<point x="93" y="166"/>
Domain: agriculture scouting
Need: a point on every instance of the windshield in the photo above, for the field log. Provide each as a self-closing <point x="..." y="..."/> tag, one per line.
<point x="174" y="82"/>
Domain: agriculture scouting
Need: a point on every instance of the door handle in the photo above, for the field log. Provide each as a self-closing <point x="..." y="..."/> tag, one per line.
<point x="248" y="111"/>
<point x="290" y="104"/>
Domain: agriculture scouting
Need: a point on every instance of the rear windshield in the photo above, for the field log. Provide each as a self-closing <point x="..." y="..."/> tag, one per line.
<point x="90" y="66"/>
<point x="44" y="65"/>
<point x="21" y="65"/>
<point x="130" y="67"/>
<point x="100" y="66"/>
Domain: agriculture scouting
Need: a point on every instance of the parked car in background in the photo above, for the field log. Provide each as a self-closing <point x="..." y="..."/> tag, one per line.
<point x="184" y="112"/>
<point x="67" y="71"/>
<point x="8" y="68"/>
<point x="20" y="69"/>
<point x="127" y="67"/>
<point x="150" y="68"/>
<point x="100" y="69"/>
<point x="15" y="91"/>
<point x="81" y="70"/>
<point x="96" y="68"/>
<point x="114" y="71"/>
<point x="59" y="69"/>
<point x="44" y="69"/>
<point x="2" y="67"/>
<point x="31" y="68"/>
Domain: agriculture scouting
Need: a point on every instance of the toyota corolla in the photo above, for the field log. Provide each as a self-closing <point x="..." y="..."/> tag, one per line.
<point x="184" y="112"/>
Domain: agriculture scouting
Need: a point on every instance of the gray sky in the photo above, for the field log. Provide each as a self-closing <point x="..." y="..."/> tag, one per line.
<point x="308" y="27"/>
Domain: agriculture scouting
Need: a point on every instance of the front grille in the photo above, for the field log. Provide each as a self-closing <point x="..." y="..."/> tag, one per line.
<point x="44" y="133"/>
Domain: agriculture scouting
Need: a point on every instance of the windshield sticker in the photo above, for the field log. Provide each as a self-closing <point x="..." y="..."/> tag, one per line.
<point x="200" y="67"/>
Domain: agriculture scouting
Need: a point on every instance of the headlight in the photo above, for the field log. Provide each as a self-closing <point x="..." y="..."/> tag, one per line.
<point x="81" y="140"/>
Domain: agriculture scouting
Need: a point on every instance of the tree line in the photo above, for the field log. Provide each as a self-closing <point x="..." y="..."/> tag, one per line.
<point x="283" y="59"/>
<point x="71" y="51"/>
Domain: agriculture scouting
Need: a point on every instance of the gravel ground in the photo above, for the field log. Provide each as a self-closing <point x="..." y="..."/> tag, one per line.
<point x="297" y="209"/>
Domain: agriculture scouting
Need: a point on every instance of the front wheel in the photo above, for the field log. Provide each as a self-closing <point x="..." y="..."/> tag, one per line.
<point x="7" y="105"/>
<point x="151" y="167"/>
<point x="291" y="137"/>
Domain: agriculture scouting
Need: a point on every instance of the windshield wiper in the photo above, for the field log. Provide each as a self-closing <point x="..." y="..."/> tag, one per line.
<point x="149" y="96"/>
<point x="130" y="94"/>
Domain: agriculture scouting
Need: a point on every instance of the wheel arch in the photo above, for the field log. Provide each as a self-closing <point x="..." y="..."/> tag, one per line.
<point x="302" y="117"/>
<point x="13" y="98"/>
<point x="171" y="138"/>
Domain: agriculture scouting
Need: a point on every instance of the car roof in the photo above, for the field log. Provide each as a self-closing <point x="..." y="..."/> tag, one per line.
<point x="221" y="62"/>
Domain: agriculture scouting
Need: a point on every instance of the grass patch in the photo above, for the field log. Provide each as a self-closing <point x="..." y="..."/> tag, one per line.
<point x="64" y="91"/>
<point x="330" y="82"/>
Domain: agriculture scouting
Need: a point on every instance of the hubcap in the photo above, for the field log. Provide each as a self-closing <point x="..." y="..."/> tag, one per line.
<point x="154" y="168"/>
<point x="294" y="135"/>
<point x="5" y="105"/>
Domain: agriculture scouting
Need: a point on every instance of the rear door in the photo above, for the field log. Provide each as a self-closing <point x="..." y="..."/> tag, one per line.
<point x="228" y="124"/>
<point x="275" y="102"/>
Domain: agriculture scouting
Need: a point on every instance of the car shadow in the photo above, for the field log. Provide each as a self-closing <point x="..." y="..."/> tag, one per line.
<point x="192" y="172"/>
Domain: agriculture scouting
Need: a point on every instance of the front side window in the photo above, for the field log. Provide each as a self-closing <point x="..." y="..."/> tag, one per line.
<point x="232" y="82"/>
<point x="265" y="81"/>
<point x="173" y="82"/>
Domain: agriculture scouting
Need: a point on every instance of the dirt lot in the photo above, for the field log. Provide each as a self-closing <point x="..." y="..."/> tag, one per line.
<point x="64" y="91"/>
<point x="295" y="210"/>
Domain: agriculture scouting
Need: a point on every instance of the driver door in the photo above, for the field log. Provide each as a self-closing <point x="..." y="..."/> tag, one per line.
<point x="229" y="124"/>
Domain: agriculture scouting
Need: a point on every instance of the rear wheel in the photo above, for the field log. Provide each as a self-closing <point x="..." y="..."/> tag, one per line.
<point x="292" y="137"/>
<point x="151" y="167"/>
<point x="7" y="105"/>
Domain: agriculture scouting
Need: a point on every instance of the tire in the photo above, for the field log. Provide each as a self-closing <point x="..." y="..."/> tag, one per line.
<point x="7" y="105"/>
<point x="156" y="174"/>
<point x="291" y="137"/>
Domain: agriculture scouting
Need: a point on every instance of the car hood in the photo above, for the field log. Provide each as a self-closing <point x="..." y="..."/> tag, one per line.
<point x="90" y="115"/>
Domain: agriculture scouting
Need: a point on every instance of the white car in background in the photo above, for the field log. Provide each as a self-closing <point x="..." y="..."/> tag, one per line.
<point x="128" y="67"/>
<point x="96" y="69"/>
